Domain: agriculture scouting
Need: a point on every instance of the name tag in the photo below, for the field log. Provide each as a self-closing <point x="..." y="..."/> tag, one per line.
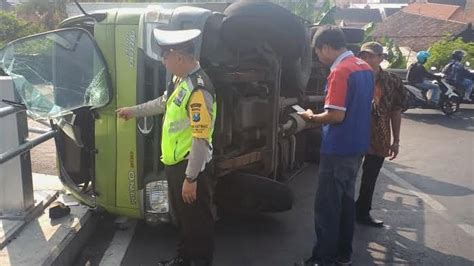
<point x="178" y="100"/>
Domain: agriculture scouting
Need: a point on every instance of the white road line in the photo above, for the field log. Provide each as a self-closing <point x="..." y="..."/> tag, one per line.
<point x="118" y="247"/>
<point x="434" y="204"/>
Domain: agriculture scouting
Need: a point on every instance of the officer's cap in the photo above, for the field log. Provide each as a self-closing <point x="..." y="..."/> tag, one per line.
<point x="175" y="39"/>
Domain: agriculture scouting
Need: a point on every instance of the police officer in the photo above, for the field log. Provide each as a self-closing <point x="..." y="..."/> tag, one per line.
<point x="186" y="144"/>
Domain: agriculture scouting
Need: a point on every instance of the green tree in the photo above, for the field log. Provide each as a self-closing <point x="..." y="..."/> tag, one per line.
<point x="368" y="32"/>
<point x="326" y="14"/>
<point x="394" y="54"/>
<point x="440" y="52"/>
<point x="12" y="28"/>
<point x="47" y="13"/>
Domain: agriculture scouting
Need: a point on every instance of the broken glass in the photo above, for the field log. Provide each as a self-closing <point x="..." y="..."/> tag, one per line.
<point x="57" y="72"/>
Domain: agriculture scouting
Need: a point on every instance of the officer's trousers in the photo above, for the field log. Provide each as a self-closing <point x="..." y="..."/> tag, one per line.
<point x="195" y="220"/>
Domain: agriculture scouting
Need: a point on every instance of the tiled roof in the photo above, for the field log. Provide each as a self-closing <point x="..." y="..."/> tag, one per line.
<point x="391" y="11"/>
<point x="438" y="11"/>
<point x="415" y="31"/>
<point x="461" y="3"/>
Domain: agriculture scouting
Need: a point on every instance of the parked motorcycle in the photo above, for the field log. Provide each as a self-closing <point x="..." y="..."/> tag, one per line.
<point x="448" y="102"/>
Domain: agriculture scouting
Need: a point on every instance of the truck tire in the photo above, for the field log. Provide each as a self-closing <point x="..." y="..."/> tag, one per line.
<point x="248" y="24"/>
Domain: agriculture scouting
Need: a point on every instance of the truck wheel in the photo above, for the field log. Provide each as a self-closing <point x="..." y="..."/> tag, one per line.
<point x="249" y="24"/>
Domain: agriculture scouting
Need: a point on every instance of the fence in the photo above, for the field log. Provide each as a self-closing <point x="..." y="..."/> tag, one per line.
<point x="16" y="182"/>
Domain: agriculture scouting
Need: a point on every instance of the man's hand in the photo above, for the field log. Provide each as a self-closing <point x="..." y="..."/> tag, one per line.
<point x="125" y="113"/>
<point x="393" y="151"/>
<point x="189" y="191"/>
<point x="307" y="115"/>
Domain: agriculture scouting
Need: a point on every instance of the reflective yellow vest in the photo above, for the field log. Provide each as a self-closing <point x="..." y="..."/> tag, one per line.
<point x="176" y="137"/>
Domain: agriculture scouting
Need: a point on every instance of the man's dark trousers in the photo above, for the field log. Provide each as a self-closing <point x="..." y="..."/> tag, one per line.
<point x="334" y="211"/>
<point x="371" y="169"/>
<point x="195" y="220"/>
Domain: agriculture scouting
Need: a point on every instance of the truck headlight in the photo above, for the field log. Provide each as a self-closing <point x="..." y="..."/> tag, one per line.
<point x="157" y="197"/>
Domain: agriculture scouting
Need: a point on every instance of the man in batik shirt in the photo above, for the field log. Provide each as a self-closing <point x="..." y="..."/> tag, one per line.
<point x="389" y="96"/>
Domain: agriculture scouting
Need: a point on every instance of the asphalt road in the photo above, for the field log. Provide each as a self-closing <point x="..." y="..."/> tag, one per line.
<point x="425" y="197"/>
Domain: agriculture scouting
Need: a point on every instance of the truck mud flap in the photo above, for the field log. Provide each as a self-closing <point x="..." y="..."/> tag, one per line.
<point x="247" y="193"/>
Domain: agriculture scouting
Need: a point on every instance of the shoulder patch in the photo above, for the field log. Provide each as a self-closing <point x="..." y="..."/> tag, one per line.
<point x="201" y="120"/>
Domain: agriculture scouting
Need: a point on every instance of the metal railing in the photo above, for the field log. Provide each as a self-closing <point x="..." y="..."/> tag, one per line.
<point x="28" y="145"/>
<point x="17" y="202"/>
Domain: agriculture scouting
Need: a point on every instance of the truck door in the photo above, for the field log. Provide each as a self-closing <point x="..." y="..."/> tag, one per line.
<point x="61" y="76"/>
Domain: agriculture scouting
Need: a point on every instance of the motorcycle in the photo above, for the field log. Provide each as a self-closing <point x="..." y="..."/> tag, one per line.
<point x="448" y="102"/>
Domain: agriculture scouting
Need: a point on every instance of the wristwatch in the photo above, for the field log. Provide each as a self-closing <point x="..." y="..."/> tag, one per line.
<point x="190" y="179"/>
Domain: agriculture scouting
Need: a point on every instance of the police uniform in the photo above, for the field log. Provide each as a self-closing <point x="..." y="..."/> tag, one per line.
<point x="189" y="115"/>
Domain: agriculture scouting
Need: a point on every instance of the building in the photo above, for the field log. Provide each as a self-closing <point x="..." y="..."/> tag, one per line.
<point x="385" y="9"/>
<point x="419" y="32"/>
<point x="439" y="11"/>
<point x="356" y="17"/>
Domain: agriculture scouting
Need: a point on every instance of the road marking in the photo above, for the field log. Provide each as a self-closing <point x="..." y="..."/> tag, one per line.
<point x="434" y="204"/>
<point x="118" y="247"/>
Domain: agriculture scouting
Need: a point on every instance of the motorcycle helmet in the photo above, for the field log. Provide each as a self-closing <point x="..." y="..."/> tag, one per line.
<point x="422" y="56"/>
<point x="458" y="55"/>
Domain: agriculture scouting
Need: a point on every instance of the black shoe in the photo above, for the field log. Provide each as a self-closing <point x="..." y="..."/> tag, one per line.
<point x="178" y="261"/>
<point x="369" y="220"/>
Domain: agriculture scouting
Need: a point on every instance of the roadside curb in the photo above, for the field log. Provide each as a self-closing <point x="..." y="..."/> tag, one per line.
<point x="66" y="252"/>
<point x="45" y="241"/>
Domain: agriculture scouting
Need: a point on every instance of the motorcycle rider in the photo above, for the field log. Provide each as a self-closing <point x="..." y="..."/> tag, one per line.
<point x="421" y="78"/>
<point x="458" y="75"/>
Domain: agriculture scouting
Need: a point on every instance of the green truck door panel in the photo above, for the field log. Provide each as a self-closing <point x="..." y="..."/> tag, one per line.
<point x="126" y="74"/>
<point x="105" y="125"/>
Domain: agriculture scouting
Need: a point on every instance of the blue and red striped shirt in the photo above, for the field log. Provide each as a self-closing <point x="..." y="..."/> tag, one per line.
<point x="349" y="88"/>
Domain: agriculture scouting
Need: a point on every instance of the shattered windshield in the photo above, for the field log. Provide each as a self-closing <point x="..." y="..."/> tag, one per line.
<point x="57" y="72"/>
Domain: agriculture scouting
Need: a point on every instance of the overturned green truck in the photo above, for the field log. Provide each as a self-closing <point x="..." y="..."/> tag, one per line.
<point x="258" y="55"/>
